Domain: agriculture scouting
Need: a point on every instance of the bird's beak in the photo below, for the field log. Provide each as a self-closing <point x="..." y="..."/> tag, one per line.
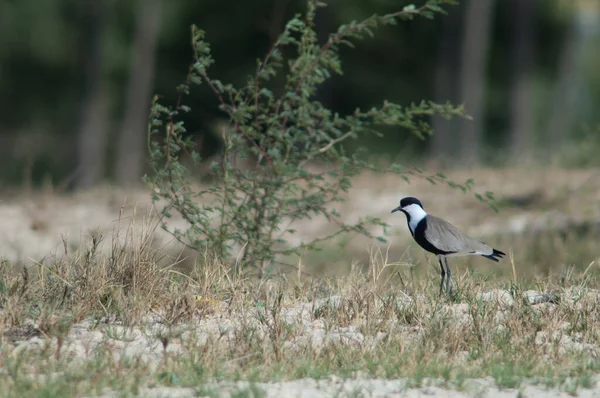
<point x="397" y="208"/>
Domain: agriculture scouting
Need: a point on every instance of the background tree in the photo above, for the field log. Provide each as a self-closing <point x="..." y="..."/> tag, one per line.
<point x="48" y="92"/>
<point x="93" y="129"/>
<point x="445" y="86"/>
<point x="474" y="52"/>
<point x="132" y="140"/>
<point x="522" y="126"/>
<point x="574" y="94"/>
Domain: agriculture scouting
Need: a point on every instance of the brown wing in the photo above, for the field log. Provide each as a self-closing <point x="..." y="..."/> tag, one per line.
<point x="448" y="238"/>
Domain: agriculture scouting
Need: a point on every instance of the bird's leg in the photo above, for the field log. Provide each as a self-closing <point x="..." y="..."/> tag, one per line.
<point x="443" y="274"/>
<point x="448" y="283"/>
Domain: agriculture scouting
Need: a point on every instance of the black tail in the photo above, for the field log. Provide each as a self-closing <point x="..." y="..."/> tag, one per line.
<point x="496" y="255"/>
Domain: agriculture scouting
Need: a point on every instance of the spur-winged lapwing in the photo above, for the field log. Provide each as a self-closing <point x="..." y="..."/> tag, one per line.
<point x="442" y="238"/>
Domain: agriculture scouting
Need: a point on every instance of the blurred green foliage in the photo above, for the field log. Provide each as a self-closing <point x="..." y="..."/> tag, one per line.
<point x="43" y="61"/>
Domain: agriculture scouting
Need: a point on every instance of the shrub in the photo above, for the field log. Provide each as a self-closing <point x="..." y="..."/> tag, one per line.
<point x="284" y="136"/>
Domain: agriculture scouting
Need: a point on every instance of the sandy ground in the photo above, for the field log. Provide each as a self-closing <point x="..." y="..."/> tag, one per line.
<point x="221" y="327"/>
<point x="309" y="388"/>
<point x="33" y="227"/>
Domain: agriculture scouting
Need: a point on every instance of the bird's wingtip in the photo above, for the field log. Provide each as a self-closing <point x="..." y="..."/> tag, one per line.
<point x="495" y="256"/>
<point x="498" y="253"/>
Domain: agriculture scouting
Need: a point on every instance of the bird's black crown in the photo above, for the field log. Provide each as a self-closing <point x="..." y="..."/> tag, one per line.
<point x="410" y="201"/>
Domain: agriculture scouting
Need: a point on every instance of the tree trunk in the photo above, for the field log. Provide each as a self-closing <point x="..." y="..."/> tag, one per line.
<point x="445" y="88"/>
<point x="324" y="21"/>
<point x="474" y="53"/>
<point x="92" y="135"/>
<point x="521" y="104"/>
<point x="132" y="138"/>
<point x="569" y="95"/>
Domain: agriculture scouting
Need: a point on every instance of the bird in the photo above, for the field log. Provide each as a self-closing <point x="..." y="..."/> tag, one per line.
<point x="441" y="238"/>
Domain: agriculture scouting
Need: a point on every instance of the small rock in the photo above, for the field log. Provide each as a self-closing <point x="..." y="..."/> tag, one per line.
<point x="28" y="345"/>
<point x="332" y="302"/>
<point x="534" y="297"/>
<point x="403" y="302"/>
<point x="502" y="297"/>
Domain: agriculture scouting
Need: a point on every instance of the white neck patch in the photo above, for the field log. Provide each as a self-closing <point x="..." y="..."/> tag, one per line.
<point x="416" y="214"/>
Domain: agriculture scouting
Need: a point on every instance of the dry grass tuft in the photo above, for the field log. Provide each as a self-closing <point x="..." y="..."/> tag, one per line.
<point x="83" y="310"/>
<point x="119" y="314"/>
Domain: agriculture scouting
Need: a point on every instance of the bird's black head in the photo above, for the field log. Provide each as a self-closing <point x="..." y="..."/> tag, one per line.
<point x="407" y="202"/>
<point x="410" y="201"/>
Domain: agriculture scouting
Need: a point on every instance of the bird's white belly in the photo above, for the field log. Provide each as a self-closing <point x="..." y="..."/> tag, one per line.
<point x="462" y="254"/>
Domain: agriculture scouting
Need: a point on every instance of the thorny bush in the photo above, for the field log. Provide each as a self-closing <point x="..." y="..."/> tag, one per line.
<point x="247" y="214"/>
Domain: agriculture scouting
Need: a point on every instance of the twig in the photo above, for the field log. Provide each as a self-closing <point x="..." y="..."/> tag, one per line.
<point x="335" y="141"/>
